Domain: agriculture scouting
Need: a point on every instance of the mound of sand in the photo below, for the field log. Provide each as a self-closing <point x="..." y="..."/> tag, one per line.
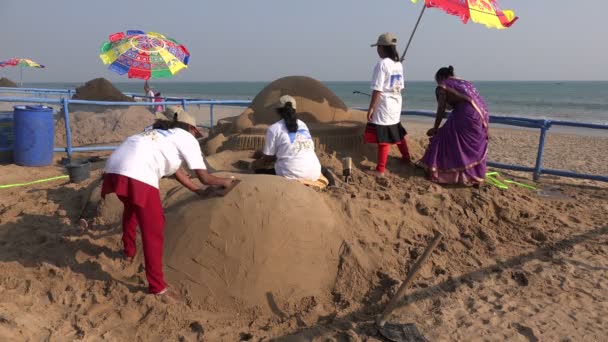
<point x="5" y="82"/>
<point x="516" y="264"/>
<point x="100" y="89"/>
<point x="270" y="241"/>
<point x="110" y="126"/>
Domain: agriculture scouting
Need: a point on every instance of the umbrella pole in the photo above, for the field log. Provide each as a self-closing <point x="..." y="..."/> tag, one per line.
<point x="21" y="76"/>
<point x="413" y="32"/>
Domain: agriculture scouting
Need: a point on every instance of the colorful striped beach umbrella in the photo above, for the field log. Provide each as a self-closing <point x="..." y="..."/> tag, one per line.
<point x="486" y="12"/>
<point x="21" y="62"/>
<point x="144" y="55"/>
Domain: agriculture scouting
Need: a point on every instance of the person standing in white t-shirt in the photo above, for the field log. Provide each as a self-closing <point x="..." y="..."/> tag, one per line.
<point x="289" y="143"/>
<point x="384" y="114"/>
<point x="133" y="172"/>
<point x="149" y="95"/>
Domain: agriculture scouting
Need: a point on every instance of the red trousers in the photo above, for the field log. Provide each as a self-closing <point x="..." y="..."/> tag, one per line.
<point x="143" y="207"/>
<point x="383" y="154"/>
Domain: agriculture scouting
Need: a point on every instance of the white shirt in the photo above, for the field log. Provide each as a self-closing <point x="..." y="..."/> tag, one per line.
<point x="150" y="95"/>
<point x="153" y="154"/>
<point x="388" y="78"/>
<point x="295" y="152"/>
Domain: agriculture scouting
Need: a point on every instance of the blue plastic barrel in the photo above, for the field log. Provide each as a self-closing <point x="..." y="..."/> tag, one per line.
<point x="6" y="137"/>
<point x="34" y="135"/>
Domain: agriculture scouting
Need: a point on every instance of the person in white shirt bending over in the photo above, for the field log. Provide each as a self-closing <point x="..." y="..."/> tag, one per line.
<point x="133" y="172"/>
<point x="384" y="114"/>
<point x="290" y="145"/>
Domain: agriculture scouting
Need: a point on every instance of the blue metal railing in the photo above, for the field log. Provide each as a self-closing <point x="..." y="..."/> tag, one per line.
<point x="543" y="124"/>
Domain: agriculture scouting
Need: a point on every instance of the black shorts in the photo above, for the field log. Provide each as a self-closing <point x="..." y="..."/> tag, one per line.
<point x="381" y="134"/>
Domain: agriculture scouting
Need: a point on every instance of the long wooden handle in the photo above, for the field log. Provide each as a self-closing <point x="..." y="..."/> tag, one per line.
<point x="392" y="304"/>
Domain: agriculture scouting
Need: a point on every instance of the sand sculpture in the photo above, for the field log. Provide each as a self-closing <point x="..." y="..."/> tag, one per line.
<point x="242" y="251"/>
<point x="331" y="122"/>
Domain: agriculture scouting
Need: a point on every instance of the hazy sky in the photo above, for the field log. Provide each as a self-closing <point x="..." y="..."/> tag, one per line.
<point x="261" y="40"/>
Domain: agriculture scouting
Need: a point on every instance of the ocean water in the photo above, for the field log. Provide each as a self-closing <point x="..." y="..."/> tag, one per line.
<point x="568" y="100"/>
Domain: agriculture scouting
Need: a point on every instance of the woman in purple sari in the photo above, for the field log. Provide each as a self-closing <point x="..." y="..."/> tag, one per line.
<point x="457" y="151"/>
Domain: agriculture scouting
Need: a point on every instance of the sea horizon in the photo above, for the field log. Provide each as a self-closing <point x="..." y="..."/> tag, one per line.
<point x="581" y="101"/>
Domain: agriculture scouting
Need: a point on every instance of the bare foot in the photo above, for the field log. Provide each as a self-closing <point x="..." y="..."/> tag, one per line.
<point x="171" y="295"/>
<point x="126" y="260"/>
<point x="375" y="173"/>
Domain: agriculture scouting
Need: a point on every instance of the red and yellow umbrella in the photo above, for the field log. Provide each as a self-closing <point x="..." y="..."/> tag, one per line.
<point x="21" y="62"/>
<point x="486" y="12"/>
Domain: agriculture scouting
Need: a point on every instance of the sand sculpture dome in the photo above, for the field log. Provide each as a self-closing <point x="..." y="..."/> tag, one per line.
<point x="330" y="121"/>
<point x="269" y="239"/>
<point x="316" y="102"/>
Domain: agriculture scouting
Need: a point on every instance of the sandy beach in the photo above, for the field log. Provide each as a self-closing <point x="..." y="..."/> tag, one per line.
<point x="519" y="265"/>
<point x="311" y="196"/>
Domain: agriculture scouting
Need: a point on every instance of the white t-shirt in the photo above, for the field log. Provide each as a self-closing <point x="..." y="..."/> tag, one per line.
<point x="388" y="78"/>
<point x="150" y="95"/>
<point x="156" y="153"/>
<point x="295" y="152"/>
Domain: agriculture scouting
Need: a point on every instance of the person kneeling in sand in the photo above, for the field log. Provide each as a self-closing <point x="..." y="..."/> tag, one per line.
<point x="133" y="172"/>
<point x="290" y="145"/>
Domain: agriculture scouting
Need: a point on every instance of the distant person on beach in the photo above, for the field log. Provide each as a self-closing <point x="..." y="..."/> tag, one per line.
<point x="149" y="94"/>
<point x="384" y="114"/>
<point x="457" y="150"/>
<point x="158" y="98"/>
<point x="133" y="172"/>
<point x="290" y="146"/>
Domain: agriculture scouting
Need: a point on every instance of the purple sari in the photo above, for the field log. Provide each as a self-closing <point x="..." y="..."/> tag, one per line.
<point x="457" y="153"/>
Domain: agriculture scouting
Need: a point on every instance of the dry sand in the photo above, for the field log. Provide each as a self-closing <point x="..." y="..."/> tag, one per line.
<point x="5" y="82"/>
<point x="100" y="89"/>
<point x="89" y="126"/>
<point x="515" y="265"/>
<point x="253" y="255"/>
<point x="275" y="259"/>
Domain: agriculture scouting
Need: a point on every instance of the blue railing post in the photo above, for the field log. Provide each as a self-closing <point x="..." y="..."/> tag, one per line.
<point x="184" y="103"/>
<point x="211" y="115"/>
<point x="541" y="146"/>
<point x="68" y="131"/>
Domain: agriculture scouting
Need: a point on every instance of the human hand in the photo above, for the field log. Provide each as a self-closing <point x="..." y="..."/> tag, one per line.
<point x="370" y="115"/>
<point x="258" y="154"/>
<point x="204" y="191"/>
<point x="228" y="182"/>
<point x="232" y="182"/>
<point x="431" y="132"/>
